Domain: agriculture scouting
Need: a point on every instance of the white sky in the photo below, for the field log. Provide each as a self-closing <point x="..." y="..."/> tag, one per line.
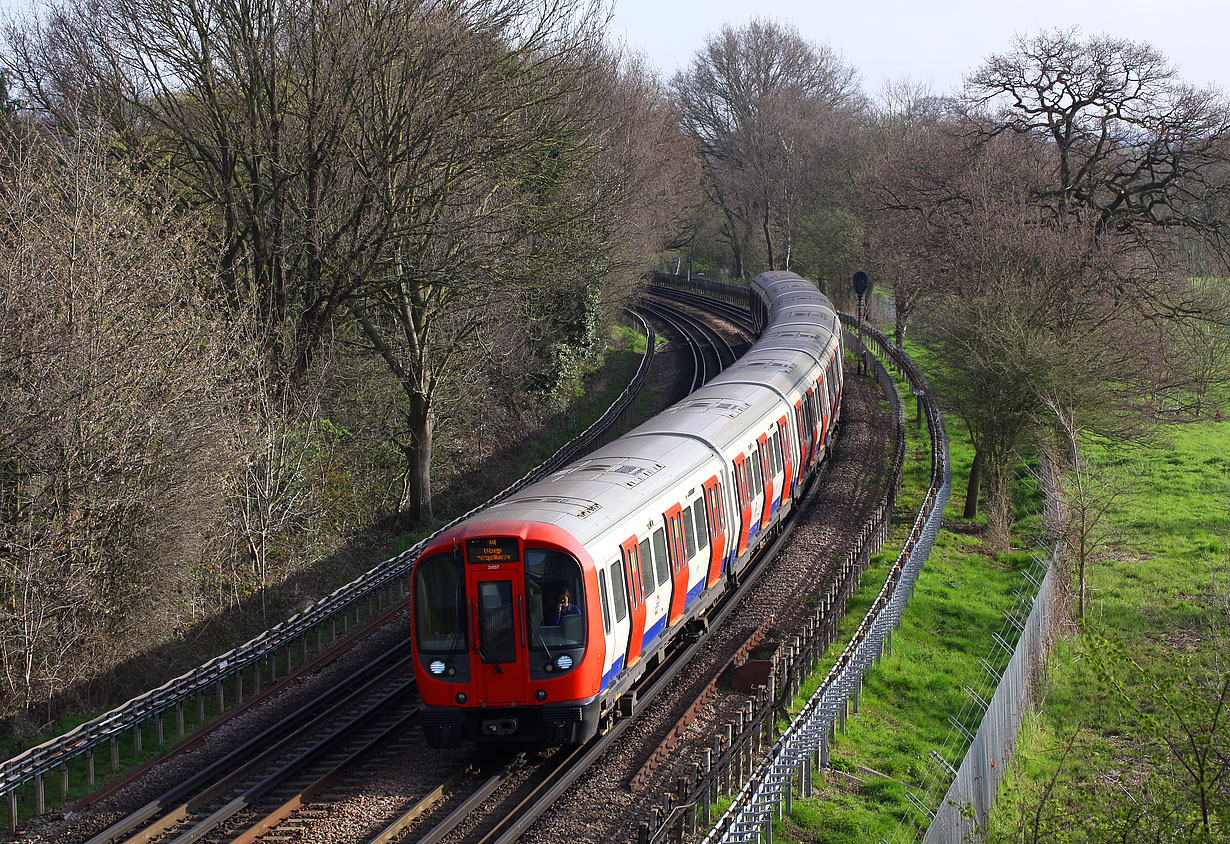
<point x="934" y="41"/>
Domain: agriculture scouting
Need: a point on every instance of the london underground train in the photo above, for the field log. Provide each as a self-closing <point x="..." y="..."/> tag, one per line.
<point x="534" y="618"/>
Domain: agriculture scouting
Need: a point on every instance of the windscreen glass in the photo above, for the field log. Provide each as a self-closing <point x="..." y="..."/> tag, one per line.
<point x="439" y="604"/>
<point x="554" y="599"/>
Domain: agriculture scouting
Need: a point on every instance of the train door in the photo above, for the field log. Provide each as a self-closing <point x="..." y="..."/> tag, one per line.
<point x="813" y="423"/>
<point x="717" y="533"/>
<point x="636" y="598"/>
<point x="783" y="433"/>
<point x="497" y="607"/>
<point x="822" y="398"/>
<point x="800" y="421"/>
<point x="744" y="495"/>
<point x="614" y="597"/>
<point x="766" y="468"/>
<point x="678" y="561"/>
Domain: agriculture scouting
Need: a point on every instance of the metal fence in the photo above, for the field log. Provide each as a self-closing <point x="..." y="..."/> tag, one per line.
<point x="255" y="665"/>
<point x="953" y="803"/>
<point x="804" y="745"/>
<point x="968" y="801"/>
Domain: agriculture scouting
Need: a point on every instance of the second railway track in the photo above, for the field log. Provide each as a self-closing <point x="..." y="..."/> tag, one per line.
<point x="416" y="794"/>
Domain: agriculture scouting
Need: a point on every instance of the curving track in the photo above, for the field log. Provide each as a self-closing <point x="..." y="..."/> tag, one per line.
<point x="330" y="770"/>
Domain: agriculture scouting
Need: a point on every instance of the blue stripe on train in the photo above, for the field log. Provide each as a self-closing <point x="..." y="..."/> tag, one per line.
<point x="652" y="632"/>
<point x="610" y="675"/>
<point x="696" y="590"/>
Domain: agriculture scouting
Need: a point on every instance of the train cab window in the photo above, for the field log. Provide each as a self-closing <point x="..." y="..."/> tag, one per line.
<point x="702" y="528"/>
<point x="439" y="604"/>
<point x="602" y="596"/>
<point x="619" y="593"/>
<point x="554" y="599"/>
<point x="497" y="636"/>
<point x="648" y="584"/>
<point x="689" y="534"/>
<point x="661" y="564"/>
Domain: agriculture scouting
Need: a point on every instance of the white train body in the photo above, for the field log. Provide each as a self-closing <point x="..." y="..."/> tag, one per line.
<point x="638" y="539"/>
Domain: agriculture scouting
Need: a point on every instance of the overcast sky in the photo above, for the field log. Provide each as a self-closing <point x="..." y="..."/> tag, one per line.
<point x="937" y="41"/>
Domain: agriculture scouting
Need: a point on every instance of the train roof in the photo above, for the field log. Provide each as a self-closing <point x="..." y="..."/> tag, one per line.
<point x="595" y="493"/>
<point x="586" y="497"/>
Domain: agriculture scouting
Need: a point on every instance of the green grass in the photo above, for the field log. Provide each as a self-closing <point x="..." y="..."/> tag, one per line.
<point x="906" y="701"/>
<point x="1157" y="592"/>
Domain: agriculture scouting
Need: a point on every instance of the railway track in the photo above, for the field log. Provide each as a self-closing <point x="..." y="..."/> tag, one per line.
<point x="710" y="352"/>
<point x="284" y="784"/>
<point x="295" y="757"/>
<point x="737" y="315"/>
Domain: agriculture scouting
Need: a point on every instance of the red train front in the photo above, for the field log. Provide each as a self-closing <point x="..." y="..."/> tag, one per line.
<point x="498" y="657"/>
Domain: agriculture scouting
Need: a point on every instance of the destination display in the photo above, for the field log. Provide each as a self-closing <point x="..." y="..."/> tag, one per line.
<point x="492" y="549"/>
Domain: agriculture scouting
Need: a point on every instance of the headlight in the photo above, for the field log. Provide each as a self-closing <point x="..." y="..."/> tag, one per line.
<point x="563" y="662"/>
<point x="437" y="667"/>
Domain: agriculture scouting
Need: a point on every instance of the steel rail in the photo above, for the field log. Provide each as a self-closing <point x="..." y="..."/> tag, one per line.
<point x="33" y="764"/>
<point x="394" y="829"/>
<point x="206" y="784"/>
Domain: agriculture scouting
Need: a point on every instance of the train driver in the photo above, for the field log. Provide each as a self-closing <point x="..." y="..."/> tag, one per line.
<point x="563" y="606"/>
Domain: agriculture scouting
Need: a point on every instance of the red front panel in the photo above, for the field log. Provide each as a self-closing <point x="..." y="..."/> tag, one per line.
<point x="717" y="534"/>
<point x="494" y="593"/>
<point x="766" y="471"/>
<point x="497" y="624"/>
<point x="636" y="590"/>
<point x="679" y="562"/>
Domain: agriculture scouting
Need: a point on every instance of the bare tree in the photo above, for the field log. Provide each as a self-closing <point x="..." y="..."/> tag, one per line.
<point x="250" y="103"/>
<point x="1088" y="494"/>
<point x="1130" y="146"/>
<point x="115" y="377"/>
<point x="757" y="101"/>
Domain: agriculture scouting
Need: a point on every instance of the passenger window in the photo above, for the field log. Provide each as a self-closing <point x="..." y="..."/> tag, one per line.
<point x="659" y="556"/>
<point x="688" y="534"/>
<point x="702" y="528"/>
<point x="602" y="590"/>
<point x="756" y="481"/>
<point x="777" y="452"/>
<point x="647" y="583"/>
<point x="618" y="592"/>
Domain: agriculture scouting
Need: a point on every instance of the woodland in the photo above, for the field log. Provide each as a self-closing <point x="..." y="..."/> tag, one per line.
<point x="277" y="277"/>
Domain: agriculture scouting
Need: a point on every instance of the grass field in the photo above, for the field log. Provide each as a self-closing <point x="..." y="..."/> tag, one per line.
<point x="1161" y="592"/>
<point x="906" y="701"/>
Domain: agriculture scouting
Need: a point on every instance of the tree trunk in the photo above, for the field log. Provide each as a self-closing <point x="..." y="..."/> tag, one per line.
<point x="418" y="459"/>
<point x="899" y="331"/>
<point x="999" y="470"/>
<point x="975" y="482"/>
<point x="768" y="236"/>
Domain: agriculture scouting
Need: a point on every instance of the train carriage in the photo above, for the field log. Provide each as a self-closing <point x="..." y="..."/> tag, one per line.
<point x="534" y="618"/>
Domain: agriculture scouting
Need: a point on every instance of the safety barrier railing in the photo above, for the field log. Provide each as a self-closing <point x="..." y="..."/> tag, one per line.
<point x="347" y="607"/>
<point x="805" y="742"/>
<point x="747" y="757"/>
